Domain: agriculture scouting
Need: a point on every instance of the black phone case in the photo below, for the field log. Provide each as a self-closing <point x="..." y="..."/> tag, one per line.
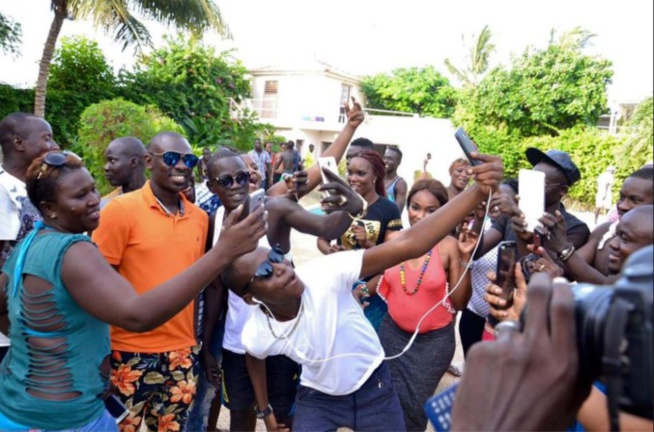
<point x="467" y="146"/>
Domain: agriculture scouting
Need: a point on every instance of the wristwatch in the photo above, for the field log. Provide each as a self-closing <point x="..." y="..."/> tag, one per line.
<point x="566" y="253"/>
<point x="263" y="414"/>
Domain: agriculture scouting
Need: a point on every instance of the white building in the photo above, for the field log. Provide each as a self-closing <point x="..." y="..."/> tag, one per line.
<point x="302" y="101"/>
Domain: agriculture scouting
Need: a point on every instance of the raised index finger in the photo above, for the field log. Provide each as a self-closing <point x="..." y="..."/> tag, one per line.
<point x="539" y="293"/>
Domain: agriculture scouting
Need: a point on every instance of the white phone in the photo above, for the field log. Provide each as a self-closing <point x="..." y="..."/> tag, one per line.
<point x="329" y="163"/>
<point x="531" y="188"/>
<point x="256" y="199"/>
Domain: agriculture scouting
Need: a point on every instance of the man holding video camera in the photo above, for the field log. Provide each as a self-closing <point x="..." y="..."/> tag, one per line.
<point x="540" y="368"/>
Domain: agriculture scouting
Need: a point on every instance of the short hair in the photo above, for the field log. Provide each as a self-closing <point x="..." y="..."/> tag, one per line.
<point x="14" y="124"/>
<point x="436" y="188"/>
<point x="644" y="173"/>
<point x="459" y="162"/>
<point x="41" y="179"/>
<point x="396" y="150"/>
<point x="364" y="143"/>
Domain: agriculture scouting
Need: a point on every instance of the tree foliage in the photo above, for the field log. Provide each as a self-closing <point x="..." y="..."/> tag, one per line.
<point x="10" y="35"/>
<point x="640" y="127"/>
<point x="103" y="122"/>
<point x="415" y="90"/>
<point x="543" y="92"/>
<point x="197" y="87"/>
<point x="476" y="61"/>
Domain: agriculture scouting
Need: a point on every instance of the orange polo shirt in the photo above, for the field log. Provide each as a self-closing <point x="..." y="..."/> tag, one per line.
<point x="150" y="247"/>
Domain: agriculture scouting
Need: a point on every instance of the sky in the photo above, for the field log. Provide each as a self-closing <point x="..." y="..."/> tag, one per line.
<point x="367" y="36"/>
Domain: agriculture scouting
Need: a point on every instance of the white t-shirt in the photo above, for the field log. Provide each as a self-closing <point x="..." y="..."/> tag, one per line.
<point x="238" y="311"/>
<point x="331" y="324"/>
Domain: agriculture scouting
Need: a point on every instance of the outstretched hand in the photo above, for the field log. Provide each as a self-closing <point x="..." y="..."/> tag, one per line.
<point x="555" y="229"/>
<point x="489" y="174"/>
<point x="493" y="297"/>
<point x="532" y="376"/>
<point x="341" y="196"/>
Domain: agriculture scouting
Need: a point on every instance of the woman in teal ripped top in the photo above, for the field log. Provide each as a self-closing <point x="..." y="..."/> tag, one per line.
<point x="61" y="294"/>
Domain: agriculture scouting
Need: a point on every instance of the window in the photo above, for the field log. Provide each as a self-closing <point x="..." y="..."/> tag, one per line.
<point x="269" y="103"/>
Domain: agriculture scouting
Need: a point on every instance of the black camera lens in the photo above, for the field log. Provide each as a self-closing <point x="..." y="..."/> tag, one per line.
<point x="591" y="310"/>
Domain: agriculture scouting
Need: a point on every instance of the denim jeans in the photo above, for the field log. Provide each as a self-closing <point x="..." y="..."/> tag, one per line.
<point x="206" y="392"/>
<point x="374" y="407"/>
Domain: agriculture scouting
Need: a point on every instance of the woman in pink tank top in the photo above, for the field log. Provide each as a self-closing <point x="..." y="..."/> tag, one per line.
<point x="413" y="288"/>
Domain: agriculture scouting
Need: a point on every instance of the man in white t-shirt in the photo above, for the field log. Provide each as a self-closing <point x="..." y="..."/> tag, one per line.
<point x="310" y="315"/>
<point x="23" y="138"/>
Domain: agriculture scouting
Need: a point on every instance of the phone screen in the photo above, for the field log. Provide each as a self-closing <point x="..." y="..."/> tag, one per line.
<point x="116" y="408"/>
<point x="531" y="188"/>
<point x="505" y="274"/>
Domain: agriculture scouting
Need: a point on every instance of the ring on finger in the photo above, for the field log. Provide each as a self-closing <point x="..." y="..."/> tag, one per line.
<point x="508" y="326"/>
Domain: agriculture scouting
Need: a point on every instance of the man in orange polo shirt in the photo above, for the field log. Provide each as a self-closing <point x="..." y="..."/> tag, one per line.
<point x="149" y="236"/>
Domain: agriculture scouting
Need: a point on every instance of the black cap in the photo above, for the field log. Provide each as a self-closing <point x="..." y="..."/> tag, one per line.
<point x="559" y="159"/>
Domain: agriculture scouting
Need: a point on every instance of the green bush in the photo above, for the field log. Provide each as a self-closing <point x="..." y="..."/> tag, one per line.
<point x="103" y="122"/>
<point x="194" y="85"/>
<point x="591" y="149"/>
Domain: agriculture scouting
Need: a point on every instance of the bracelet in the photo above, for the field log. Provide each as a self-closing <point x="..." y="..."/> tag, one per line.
<point x="364" y="289"/>
<point x="364" y="208"/>
<point x="566" y="253"/>
<point x="263" y="414"/>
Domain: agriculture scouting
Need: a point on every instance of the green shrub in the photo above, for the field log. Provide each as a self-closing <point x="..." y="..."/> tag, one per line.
<point x="103" y="122"/>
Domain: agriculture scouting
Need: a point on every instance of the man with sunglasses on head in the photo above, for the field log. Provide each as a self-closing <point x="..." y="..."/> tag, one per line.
<point x="23" y="138"/>
<point x="149" y="236"/>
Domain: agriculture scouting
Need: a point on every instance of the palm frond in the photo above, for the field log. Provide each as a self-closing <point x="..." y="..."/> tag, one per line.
<point x="577" y="38"/>
<point x="194" y="15"/>
<point x="482" y="51"/>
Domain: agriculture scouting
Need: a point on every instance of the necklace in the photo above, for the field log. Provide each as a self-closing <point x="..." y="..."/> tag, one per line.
<point x="285" y="335"/>
<point x="422" y="273"/>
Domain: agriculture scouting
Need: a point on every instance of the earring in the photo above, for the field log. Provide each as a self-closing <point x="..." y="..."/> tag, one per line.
<point x="53" y="216"/>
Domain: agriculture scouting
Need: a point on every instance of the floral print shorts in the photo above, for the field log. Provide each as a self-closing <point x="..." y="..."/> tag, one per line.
<point x="158" y="389"/>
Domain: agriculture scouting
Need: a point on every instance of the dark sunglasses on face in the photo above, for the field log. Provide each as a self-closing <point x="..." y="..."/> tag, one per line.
<point x="226" y="181"/>
<point x="172" y="158"/>
<point x="265" y="269"/>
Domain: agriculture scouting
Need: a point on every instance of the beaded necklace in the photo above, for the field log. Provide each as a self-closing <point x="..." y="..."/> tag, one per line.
<point x="422" y="273"/>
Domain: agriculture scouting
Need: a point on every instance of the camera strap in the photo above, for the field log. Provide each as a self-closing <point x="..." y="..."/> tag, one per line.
<point x="612" y="363"/>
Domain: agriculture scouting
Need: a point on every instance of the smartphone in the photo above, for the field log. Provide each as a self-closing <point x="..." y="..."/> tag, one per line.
<point x="531" y="188"/>
<point x="467" y="146"/>
<point x="507" y="253"/>
<point x="330" y="164"/>
<point x="439" y="409"/>
<point x="116" y="408"/>
<point x="256" y="199"/>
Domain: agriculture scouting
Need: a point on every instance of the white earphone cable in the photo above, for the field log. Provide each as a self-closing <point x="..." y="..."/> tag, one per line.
<point x="299" y="353"/>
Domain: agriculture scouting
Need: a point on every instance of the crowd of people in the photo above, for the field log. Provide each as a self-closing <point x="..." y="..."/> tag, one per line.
<point x="175" y="295"/>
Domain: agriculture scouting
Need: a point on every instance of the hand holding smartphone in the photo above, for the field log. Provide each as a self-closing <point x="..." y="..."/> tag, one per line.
<point x="330" y="164"/>
<point x="255" y="199"/>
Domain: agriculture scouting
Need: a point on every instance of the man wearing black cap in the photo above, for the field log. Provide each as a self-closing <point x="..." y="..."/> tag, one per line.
<point x="560" y="174"/>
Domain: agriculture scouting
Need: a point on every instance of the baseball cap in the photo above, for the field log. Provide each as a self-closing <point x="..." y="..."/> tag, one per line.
<point x="559" y="159"/>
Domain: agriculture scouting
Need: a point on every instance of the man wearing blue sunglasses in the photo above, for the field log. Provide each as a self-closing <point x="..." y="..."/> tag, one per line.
<point x="151" y="235"/>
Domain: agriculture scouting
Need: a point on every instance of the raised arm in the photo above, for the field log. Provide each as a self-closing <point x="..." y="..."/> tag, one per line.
<point x="355" y="117"/>
<point x="106" y="295"/>
<point x="418" y="239"/>
<point x="401" y="190"/>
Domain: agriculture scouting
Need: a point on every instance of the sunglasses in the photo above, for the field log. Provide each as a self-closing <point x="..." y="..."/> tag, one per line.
<point x="58" y="158"/>
<point x="172" y="158"/>
<point x="265" y="269"/>
<point x="226" y="181"/>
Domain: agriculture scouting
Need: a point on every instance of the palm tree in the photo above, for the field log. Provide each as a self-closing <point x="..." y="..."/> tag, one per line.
<point x="576" y="39"/>
<point x="10" y="35"/>
<point x="116" y="16"/>
<point x="479" y="56"/>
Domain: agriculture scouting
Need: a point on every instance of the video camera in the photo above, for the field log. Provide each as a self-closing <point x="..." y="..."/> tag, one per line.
<point x="614" y="333"/>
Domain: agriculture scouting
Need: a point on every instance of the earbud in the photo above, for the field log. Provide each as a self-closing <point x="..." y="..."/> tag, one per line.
<point x="256" y="300"/>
